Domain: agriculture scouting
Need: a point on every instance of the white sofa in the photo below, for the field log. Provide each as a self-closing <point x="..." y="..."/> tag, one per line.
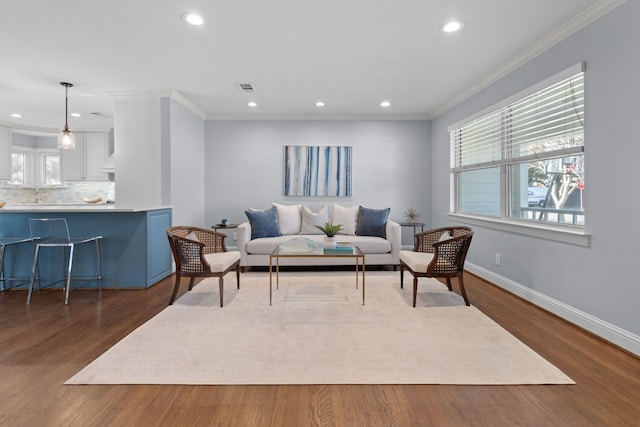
<point x="377" y="250"/>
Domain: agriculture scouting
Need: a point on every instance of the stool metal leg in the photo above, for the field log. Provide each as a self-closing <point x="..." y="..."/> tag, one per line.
<point x="99" y="265"/>
<point x="33" y="273"/>
<point x="68" y="286"/>
<point x="2" y="266"/>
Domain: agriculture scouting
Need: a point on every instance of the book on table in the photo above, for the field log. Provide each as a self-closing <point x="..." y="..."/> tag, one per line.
<point x="341" y="247"/>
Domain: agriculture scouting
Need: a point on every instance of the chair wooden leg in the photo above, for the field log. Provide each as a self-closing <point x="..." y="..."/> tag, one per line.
<point x="448" y="280"/>
<point x="401" y="276"/>
<point x="415" y="289"/>
<point x="175" y="290"/>
<point x="191" y="283"/>
<point x="238" y="276"/>
<point x="462" y="291"/>
<point x="221" y="286"/>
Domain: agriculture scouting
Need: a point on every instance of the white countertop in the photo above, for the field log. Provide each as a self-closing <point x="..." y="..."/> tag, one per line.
<point x="86" y="207"/>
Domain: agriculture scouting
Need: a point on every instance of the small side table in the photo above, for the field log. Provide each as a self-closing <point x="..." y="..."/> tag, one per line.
<point x="415" y="225"/>
<point x="217" y="227"/>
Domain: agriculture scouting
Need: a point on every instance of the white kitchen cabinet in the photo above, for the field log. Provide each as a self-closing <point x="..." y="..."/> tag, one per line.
<point x="86" y="161"/>
<point x="5" y="154"/>
<point x="96" y="154"/>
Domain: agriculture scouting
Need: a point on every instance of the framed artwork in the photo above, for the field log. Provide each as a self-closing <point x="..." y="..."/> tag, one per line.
<point x="317" y="170"/>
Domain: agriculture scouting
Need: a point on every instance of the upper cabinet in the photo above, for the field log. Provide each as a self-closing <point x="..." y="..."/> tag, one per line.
<point x="86" y="161"/>
<point x="5" y="154"/>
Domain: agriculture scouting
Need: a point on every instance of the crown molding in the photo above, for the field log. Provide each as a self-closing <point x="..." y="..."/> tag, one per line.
<point x="161" y="93"/>
<point x="29" y="129"/>
<point x="318" y="117"/>
<point x="182" y="100"/>
<point x="586" y="17"/>
<point x="45" y="131"/>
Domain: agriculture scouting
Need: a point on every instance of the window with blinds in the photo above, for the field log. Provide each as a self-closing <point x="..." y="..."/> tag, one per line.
<point x="524" y="159"/>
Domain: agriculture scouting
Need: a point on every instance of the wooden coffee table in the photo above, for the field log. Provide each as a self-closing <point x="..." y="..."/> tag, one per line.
<point x="320" y="252"/>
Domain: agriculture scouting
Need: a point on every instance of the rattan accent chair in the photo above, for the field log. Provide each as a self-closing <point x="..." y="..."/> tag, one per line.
<point x="199" y="252"/>
<point x="438" y="253"/>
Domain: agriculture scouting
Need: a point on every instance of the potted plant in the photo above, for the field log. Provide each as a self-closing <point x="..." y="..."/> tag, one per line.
<point x="330" y="230"/>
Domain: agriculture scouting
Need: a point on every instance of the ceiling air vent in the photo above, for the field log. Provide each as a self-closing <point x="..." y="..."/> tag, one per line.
<point x="245" y="87"/>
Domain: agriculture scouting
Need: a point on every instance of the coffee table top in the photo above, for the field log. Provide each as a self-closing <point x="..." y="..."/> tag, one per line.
<point x="317" y="252"/>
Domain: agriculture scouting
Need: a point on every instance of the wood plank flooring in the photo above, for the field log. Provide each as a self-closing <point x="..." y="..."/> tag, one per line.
<point x="44" y="344"/>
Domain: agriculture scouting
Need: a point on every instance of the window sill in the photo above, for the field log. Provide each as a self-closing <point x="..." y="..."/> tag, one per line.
<point x="570" y="235"/>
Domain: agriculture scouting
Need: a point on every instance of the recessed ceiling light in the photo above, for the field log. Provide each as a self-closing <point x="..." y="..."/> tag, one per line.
<point x="193" y="19"/>
<point x="16" y="115"/>
<point x="320" y="104"/>
<point x="385" y="104"/>
<point x="452" y="26"/>
<point x="75" y="114"/>
<point x="252" y="104"/>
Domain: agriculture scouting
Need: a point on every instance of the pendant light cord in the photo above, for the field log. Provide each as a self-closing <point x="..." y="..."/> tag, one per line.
<point x="66" y="107"/>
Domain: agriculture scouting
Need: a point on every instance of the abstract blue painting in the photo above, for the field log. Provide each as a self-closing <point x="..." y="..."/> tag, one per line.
<point x="317" y="170"/>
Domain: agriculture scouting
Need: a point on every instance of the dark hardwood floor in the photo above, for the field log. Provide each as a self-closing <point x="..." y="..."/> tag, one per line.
<point x="44" y="344"/>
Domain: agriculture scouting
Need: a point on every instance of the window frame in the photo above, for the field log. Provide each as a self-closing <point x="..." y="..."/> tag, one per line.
<point x="34" y="166"/>
<point x="569" y="233"/>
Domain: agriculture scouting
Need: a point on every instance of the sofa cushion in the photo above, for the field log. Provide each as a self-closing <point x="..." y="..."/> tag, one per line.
<point x="416" y="261"/>
<point x="347" y="217"/>
<point x="263" y="223"/>
<point x="372" y="222"/>
<point x="220" y="261"/>
<point x="310" y="219"/>
<point x="289" y="218"/>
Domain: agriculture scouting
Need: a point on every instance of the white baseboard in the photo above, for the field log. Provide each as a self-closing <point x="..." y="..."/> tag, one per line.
<point x="605" y="330"/>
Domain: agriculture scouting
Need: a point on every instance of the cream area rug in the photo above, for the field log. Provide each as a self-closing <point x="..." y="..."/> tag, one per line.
<point x="318" y="332"/>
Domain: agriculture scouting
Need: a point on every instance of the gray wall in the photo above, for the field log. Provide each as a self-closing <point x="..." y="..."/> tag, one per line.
<point x="187" y="164"/>
<point x="596" y="286"/>
<point x="34" y="141"/>
<point x="391" y="164"/>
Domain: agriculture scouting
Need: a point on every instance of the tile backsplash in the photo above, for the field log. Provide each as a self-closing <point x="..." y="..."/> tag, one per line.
<point x="72" y="192"/>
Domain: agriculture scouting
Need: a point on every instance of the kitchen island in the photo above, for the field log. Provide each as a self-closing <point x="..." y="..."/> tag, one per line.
<point x="134" y="248"/>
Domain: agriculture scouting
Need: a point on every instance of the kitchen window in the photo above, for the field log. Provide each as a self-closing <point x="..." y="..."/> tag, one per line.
<point x="523" y="160"/>
<point x="31" y="167"/>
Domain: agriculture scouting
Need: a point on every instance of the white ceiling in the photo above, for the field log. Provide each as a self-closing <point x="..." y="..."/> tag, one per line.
<point x="352" y="54"/>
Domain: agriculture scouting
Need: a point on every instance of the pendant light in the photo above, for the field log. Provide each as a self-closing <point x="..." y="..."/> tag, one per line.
<point x="66" y="140"/>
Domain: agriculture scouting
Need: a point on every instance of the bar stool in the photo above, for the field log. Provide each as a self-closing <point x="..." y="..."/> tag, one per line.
<point x="54" y="233"/>
<point x="5" y="242"/>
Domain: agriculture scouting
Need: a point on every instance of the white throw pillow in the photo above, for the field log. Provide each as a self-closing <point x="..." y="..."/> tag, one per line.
<point x="347" y="217"/>
<point x="444" y="236"/>
<point x="310" y="219"/>
<point x="289" y="218"/>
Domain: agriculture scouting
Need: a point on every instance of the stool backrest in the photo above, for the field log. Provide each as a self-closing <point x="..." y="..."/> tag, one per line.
<point x="46" y="228"/>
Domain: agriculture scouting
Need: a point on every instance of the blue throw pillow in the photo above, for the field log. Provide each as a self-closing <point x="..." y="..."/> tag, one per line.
<point x="372" y="222"/>
<point x="264" y="223"/>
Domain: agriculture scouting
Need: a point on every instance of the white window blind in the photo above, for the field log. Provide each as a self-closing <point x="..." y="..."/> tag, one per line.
<point x="546" y="124"/>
